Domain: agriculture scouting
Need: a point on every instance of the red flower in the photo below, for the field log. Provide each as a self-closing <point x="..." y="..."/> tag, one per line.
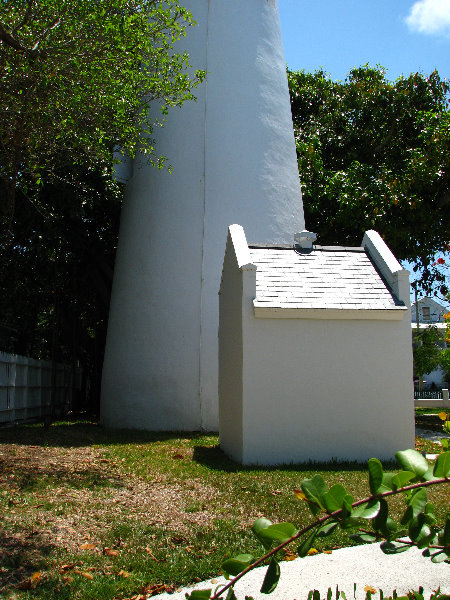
<point x="440" y="261"/>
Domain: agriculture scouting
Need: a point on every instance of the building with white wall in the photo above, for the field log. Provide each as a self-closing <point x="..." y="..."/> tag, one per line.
<point x="233" y="158"/>
<point x="315" y="358"/>
<point x="427" y="312"/>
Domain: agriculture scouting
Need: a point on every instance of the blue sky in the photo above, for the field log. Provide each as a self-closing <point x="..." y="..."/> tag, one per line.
<point x="402" y="35"/>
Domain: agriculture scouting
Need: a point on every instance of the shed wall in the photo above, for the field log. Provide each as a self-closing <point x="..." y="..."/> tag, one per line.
<point x="230" y="356"/>
<point x="317" y="390"/>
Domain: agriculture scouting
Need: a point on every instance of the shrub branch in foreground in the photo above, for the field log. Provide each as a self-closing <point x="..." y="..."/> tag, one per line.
<point x="369" y="517"/>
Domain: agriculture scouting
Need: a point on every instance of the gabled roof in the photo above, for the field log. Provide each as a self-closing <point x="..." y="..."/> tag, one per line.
<point x="325" y="278"/>
<point x="427" y="301"/>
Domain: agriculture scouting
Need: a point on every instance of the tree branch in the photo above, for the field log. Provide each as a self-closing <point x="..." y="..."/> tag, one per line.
<point x="11" y="41"/>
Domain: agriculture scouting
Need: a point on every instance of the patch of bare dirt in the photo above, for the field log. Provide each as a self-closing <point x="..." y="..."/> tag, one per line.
<point x="64" y="497"/>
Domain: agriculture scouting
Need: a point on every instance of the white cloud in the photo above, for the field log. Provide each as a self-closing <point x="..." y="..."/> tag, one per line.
<point x="430" y="16"/>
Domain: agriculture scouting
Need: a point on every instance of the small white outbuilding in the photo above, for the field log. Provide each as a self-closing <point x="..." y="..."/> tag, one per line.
<point x="315" y="359"/>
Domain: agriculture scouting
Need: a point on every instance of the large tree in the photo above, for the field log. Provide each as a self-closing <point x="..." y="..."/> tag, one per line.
<point x="77" y="78"/>
<point x="56" y="274"/>
<point x="375" y="154"/>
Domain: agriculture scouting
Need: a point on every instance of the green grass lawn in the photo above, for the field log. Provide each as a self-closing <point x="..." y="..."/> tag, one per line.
<point x="89" y="513"/>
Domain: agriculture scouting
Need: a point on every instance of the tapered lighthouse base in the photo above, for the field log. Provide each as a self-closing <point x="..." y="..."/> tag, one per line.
<point x="233" y="160"/>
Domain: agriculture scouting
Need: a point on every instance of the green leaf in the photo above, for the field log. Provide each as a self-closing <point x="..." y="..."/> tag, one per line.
<point x="326" y="529"/>
<point x="334" y="499"/>
<point x="231" y="595"/>
<point x="272" y="577"/>
<point x="305" y="546"/>
<point x="419" y="531"/>
<point x="375" y="475"/>
<point x="199" y="595"/>
<point x="363" y="538"/>
<point x="279" y="532"/>
<point x="411" y="460"/>
<point x="348" y="501"/>
<point x="430" y="518"/>
<point x="429" y="475"/>
<point x="387" y="484"/>
<point x="314" y="490"/>
<point x="416" y="505"/>
<point x="258" y="526"/>
<point x="394" y="547"/>
<point x="366" y="511"/>
<point x="445" y="535"/>
<point x="234" y="566"/>
<point x="382" y="522"/>
<point x="439" y="557"/>
<point x="442" y="466"/>
<point x="402" y="478"/>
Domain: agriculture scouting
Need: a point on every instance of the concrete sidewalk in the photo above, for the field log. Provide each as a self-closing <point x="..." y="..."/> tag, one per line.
<point x="361" y="565"/>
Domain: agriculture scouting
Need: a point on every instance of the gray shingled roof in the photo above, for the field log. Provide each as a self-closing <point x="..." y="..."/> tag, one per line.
<point x="329" y="278"/>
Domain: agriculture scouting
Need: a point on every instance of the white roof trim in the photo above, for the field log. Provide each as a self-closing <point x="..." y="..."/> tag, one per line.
<point x="241" y="248"/>
<point x="395" y="275"/>
<point x="349" y="314"/>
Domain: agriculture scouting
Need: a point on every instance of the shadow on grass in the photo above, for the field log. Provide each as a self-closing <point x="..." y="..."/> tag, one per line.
<point x="215" y="459"/>
<point x="20" y="557"/>
<point x="30" y="476"/>
<point x="80" y="434"/>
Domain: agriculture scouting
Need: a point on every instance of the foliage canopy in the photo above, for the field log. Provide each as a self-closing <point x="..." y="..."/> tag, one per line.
<point x="78" y="77"/>
<point x="375" y="154"/>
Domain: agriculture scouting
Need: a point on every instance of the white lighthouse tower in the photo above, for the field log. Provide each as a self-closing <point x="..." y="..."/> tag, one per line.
<point x="233" y="161"/>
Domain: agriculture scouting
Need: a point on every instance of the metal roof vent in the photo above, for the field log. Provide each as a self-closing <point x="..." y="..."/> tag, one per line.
<point x="305" y="239"/>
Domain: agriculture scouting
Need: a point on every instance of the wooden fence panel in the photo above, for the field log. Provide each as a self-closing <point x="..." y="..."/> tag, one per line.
<point x="26" y="388"/>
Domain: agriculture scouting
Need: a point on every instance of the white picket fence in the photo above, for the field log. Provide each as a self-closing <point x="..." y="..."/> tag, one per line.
<point x="26" y="388"/>
<point x="443" y="402"/>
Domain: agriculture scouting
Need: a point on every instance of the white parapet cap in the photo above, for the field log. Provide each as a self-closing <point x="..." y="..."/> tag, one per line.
<point x="396" y="276"/>
<point x="243" y="257"/>
<point x="305" y="239"/>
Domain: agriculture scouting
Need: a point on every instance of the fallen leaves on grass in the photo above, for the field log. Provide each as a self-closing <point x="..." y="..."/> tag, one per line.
<point x="123" y="573"/>
<point x="31" y="582"/>
<point x="85" y="574"/>
<point x="110" y="552"/>
<point x="155" y="589"/>
<point x="150" y="553"/>
<point x="88" y="546"/>
<point x="289" y="555"/>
